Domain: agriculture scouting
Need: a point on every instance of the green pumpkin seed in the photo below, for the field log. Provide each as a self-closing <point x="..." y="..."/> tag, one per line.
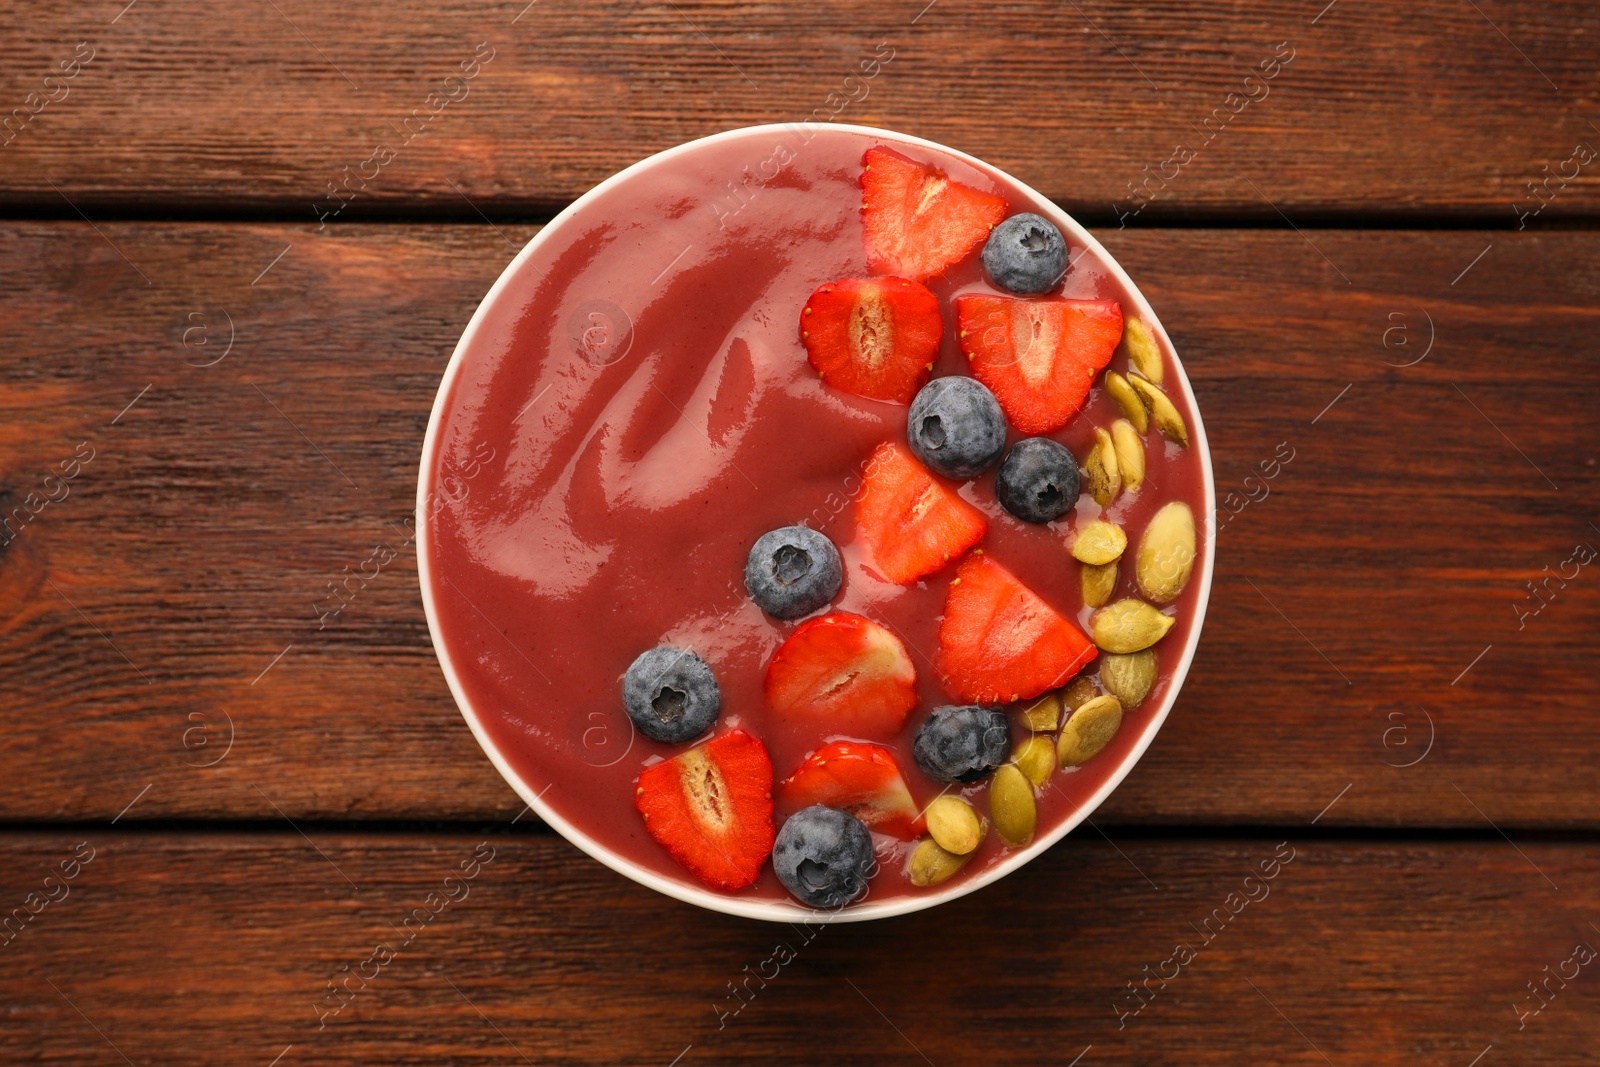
<point x="954" y="825"/>
<point x="1099" y="542"/>
<point x="1130" y="453"/>
<point x="931" y="864"/>
<point x="1144" y="355"/>
<point x="1129" y="677"/>
<point x="1098" y="583"/>
<point x="1129" y="626"/>
<point x="1166" y="416"/>
<point x="1044" y="714"/>
<point x="1012" y="807"/>
<point x="1089" y="731"/>
<point x="1080" y="692"/>
<point x="1166" y="553"/>
<point x="1037" y="758"/>
<point x="1127" y="400"/>
<point x="1101" y="477"/>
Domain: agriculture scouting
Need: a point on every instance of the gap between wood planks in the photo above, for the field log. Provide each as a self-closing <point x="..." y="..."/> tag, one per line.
<point x="534" y="213"/>
<point x="530" y="827"/>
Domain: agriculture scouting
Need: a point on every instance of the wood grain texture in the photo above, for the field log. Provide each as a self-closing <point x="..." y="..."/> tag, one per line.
<point x="1437" y="105"/>
<point x="219" y="949"/>
<point x="1373" y="590"/>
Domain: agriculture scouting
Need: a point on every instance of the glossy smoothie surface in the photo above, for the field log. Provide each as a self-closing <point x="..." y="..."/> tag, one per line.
<point x="635" y="409"/>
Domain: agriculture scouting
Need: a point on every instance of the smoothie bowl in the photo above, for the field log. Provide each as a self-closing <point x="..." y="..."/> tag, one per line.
<point x="814" y="521"/>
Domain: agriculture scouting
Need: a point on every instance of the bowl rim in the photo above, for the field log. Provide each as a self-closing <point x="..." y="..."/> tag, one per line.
<point x="788" y="910"/>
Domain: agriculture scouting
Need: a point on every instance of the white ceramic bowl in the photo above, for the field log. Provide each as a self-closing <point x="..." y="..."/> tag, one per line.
<point x="792" y="911"/>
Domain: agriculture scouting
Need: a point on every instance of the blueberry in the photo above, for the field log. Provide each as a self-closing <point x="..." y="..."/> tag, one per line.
<point x="792" y="572"/>
<point x="962" y="744"/>
<point x="956" y="427"/>
<point x="824" y="856"/>
<point x="1038" y="481"/>
<point x="671" y="695"/>
<point x="1025" y="254"/>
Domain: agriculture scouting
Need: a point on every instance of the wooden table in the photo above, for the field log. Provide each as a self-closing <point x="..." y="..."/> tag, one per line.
<point x="215" y="389"/>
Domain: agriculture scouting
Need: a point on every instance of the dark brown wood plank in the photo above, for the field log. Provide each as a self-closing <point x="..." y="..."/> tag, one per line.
<point x="220" y="949"/>
<point x="1437" y="105"/>
<point x="1373" y="590"/>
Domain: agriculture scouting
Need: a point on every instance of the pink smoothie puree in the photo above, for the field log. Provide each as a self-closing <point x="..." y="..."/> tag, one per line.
<point x="635" y="408"/>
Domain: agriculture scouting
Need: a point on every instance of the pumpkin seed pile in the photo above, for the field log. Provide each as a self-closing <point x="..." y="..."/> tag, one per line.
<point x="1066" y="728"/>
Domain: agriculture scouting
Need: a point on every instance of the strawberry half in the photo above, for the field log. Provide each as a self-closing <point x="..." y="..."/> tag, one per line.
<point x="861" y="779"/>
<point x="876" y="337"/>
<point x="912" y="523"/>
<point x="848" y="672"/>
<point x="1038" y="357"/>
<point x="999" y="642"/>
<point x="918" y="221"/>
<point x="711" y="808"/>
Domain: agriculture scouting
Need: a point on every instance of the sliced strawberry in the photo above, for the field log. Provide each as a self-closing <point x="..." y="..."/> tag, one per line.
<point x="861" y="779"/>
<point x="1038" y="357"/>
<point x="711" y="807"/>
<point x="918" y="221"/>
<point x="912" y="523"/>
<point x="999" y="642"/>
<point x="877" y="337"/>
<point x="848" y="673"/>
